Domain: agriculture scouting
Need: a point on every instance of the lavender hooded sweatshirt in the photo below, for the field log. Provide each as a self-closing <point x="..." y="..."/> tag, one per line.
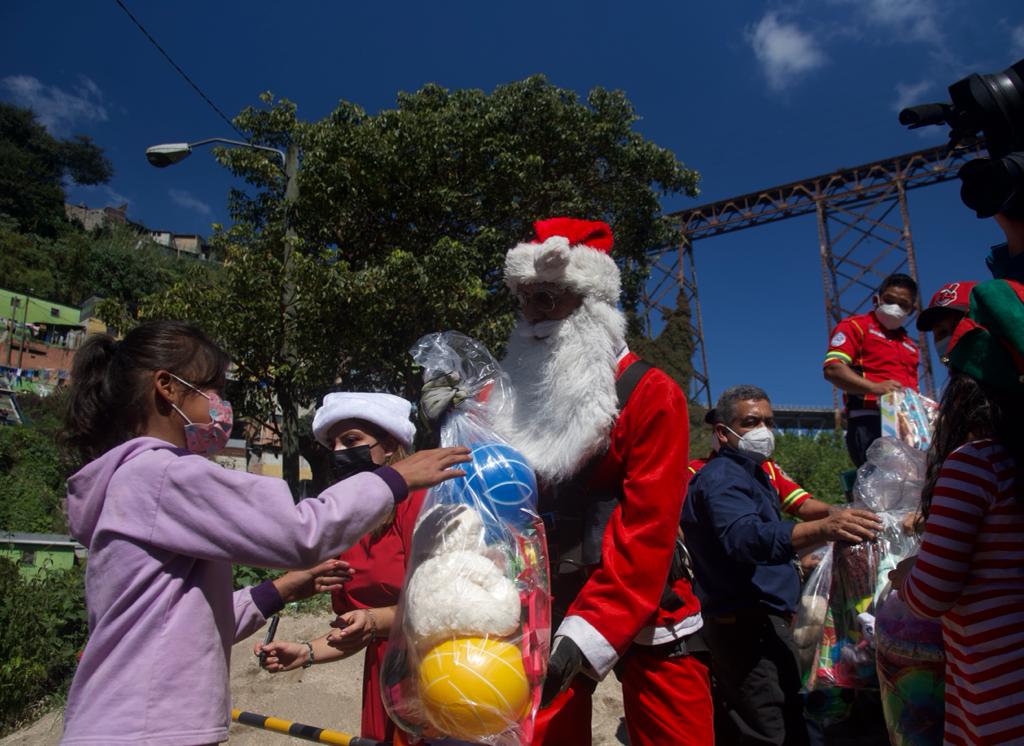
<point x="163" y="528"/>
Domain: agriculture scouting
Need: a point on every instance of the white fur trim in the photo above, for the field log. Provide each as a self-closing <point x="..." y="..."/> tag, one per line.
<point x="386" y="411"/>
<point x="459" y="594"/>
<point x="598" y="651"/>
<point x="580" y="268"/>
<point x="661" y="635"/>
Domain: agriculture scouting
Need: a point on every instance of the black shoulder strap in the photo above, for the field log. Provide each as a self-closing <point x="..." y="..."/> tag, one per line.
<point x="629" y="379"/>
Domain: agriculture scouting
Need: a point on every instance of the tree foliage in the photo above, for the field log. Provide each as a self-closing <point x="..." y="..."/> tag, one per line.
<point x="115" y="263"/>
<point x="402" y="221"/>
<point x="43" y="626"/>
<point x="33" y="165"/>
<point x="32" y="483"/>
<point x="815" y="462"/>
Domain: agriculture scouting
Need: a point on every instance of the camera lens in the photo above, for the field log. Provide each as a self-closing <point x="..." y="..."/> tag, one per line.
<point x="990" y="184"/>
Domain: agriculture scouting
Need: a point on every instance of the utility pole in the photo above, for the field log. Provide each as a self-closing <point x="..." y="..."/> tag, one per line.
<point x="24" y="332"/>
<point x="289" y="408"/>
<point x="12" y="328"/>
<point x="168" y="154"/>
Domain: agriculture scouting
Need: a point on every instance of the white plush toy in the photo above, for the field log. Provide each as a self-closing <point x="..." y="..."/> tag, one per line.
<point x="458" y="591"/>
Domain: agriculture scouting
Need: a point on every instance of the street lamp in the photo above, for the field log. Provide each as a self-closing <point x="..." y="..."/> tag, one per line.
<point x="168" y="154"/>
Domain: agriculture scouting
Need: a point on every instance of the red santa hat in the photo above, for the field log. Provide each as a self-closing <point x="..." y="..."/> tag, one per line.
<point x="575" y="254"/>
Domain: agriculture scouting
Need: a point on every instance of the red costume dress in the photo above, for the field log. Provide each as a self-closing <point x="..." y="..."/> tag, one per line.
<point x="379" y="561"/>
<point x="617" y="619"/>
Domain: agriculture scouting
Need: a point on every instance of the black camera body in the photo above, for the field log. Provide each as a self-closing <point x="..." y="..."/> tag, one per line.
<point x="989" y="106"/>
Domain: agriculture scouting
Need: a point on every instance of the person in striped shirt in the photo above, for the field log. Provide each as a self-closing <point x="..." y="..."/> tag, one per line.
<point x="970" y="570"/>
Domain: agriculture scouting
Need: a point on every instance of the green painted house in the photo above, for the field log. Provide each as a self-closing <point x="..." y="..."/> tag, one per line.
<point x="33" y="553"/>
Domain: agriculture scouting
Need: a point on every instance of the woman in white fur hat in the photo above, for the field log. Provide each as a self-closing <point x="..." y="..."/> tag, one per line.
<point x="363" y="431"/>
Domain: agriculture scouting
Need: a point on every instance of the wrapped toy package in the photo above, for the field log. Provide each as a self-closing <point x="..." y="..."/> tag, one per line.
<point x="467" y="659"/>
<point x="910" y="417"/>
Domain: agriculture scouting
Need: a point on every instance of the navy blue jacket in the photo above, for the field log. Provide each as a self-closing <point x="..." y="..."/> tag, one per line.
<point x="741" y="548"/>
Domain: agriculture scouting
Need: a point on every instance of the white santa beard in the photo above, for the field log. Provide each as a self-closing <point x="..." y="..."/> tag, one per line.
<point x="563" y="401"/>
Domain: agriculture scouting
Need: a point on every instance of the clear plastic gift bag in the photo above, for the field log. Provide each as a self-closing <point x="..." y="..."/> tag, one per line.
<point x="892" y="477"/>
<point x="862" y="572"/>
<point x="467" y="657"/>
<point x="814" y="629"/>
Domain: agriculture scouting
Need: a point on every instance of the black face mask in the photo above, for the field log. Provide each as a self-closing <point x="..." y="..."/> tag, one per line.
<point x="351" y="461"/>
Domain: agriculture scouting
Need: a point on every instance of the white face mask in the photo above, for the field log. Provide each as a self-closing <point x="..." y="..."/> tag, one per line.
<point x="891" y="316"/>
<point x="942" y="347"/>
<point x="758" y="443"/>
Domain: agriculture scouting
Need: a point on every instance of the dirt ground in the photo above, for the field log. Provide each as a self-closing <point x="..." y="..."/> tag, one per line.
<point x="326" y="696"/>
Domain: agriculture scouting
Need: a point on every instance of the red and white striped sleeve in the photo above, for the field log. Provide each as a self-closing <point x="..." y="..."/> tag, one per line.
<point x="966" y="487"/>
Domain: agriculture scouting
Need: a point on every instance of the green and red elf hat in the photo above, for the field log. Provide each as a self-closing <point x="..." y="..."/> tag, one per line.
<point x="988" y="344"/>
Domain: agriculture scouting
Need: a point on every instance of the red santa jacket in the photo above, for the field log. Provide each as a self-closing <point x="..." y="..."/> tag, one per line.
<point x="647" y="456"/>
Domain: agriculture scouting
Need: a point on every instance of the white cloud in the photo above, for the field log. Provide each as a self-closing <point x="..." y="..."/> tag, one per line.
<point x="94" y="195"/>
<point x="784" y="51"/>
<point x="57" y="109"/>
<point x="909" y="94"/>
<point x="186" y="200"/>
<point x="1017" y="39"/>
<point x="912" y="20"/>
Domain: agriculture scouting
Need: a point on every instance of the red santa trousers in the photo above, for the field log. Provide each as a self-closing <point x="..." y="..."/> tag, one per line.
<point x="667" y="700"/>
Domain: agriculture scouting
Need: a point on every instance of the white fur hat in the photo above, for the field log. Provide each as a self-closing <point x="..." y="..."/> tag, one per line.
<point x="569" y="252"/>
<point x="386" y="411"/>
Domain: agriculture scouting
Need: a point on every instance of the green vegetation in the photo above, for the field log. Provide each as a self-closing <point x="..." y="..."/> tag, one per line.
<point x="814" y="462"/>
<point x="43" y="627"/>
<point x="33" y="165"/>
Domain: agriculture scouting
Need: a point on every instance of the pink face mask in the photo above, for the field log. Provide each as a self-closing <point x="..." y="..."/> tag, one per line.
<point x="207" y="438"/>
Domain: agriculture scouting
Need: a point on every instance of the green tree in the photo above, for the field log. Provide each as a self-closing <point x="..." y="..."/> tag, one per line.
<point x="43" y="626"/>
<point x="402" y="222"/>
<point x="33" y="165"/>
<point x="815" y="462"/>
<point x="31" y="481"/>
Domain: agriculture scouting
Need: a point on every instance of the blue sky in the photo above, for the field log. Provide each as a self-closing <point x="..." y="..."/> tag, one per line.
<point x="750" y="94"/>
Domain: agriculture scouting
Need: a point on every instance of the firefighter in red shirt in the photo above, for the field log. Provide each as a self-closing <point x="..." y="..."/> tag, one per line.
<point x="871" y="354"/>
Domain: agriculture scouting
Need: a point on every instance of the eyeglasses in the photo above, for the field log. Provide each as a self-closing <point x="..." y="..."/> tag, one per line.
<point x="542" y="299"/>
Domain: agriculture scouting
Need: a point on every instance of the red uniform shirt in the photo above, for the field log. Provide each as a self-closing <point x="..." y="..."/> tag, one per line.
<point x="791" y="494"/>
<point x="379" y="560"/>
<point x="877" y="353"/>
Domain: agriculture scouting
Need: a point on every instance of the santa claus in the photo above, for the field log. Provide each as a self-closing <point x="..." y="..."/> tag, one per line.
<point x="607" y="437"/>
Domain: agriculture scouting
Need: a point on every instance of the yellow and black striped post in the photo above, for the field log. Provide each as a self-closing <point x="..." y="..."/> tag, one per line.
<point x="298" y="730"/>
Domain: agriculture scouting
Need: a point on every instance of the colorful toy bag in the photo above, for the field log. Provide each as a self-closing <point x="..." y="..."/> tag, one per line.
<point x="911" y="674"/>
<point x="909" y="416"/>
<point x="468" y="656"/>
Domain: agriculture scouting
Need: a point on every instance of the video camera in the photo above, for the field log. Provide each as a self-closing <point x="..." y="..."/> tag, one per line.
<point x="992" y="105"/>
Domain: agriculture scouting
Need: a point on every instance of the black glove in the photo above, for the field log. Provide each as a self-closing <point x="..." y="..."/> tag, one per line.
<point x="565" y="662"/>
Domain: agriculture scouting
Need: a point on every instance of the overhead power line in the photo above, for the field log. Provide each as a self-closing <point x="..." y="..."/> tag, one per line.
<point x="181" y="72"/>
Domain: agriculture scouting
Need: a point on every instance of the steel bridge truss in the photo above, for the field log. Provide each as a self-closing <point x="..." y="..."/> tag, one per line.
<point x="863" y="236"/>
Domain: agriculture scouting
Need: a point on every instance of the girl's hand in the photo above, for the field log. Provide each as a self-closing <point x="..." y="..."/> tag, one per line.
<point x="427" y="468"/>
<point x="352" y="631"/>
<point x="299" y="584"/>
<point x="898" y="575"/>
<point x="282" y="656"/>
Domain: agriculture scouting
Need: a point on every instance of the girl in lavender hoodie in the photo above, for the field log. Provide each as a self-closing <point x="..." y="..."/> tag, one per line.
<point x="164" y="524"/>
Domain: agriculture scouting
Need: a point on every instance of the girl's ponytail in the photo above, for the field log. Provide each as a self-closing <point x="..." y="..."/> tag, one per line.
<point x="111" y="381"/>
<point x="89" y="415"/>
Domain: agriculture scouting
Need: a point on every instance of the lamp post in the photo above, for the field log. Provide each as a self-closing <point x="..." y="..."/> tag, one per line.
<point x="168" y="154"/>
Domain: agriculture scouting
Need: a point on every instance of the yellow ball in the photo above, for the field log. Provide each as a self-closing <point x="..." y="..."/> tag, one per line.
<point x="473" y="687"/>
